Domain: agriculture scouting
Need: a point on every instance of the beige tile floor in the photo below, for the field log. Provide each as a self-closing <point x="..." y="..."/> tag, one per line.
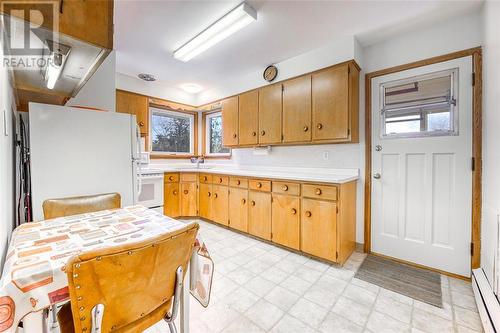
<point x="258" y="287"/>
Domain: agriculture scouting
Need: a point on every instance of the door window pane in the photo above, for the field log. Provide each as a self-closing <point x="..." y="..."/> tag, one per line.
<point x="420" y="106"/>
<point x="214" y="129"/>
<point x="171" y="132"/>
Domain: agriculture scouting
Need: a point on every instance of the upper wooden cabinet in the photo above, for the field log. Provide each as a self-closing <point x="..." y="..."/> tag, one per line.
<point x="318" y="107"/>
<point x="297" y="109"/>
<point x="88" y="20"/>
<point x="270" y="106"/>
<point x="230" y="121"/>
<point x="127" y="102"/>
<point x="335" y="104"/>
<point x="249" y="118"/>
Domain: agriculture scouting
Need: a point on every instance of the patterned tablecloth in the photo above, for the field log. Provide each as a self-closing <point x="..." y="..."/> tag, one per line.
<point x="34" y="274"/>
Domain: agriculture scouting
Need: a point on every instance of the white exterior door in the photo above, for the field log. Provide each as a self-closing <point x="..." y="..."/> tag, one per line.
<point x="421" y="165"/>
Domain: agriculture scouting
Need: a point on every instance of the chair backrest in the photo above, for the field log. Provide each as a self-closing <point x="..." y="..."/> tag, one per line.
<point x="53" y="208"/>
<point x="135" y="282"/>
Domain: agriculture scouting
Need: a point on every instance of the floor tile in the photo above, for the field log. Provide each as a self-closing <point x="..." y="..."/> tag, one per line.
<point x="218" y="317"/>
<point x="359" y="295"/>
<point x="308" y="312"/>
<point x="395" y="296"/>
<point x="321" y="297"/>
<point x="307" y="274"/>
<point x="379" y="322"/>
<point x="240" y="300"/>
<point x="464" y="301"/>
<point x="288" y="265"/>
<point x="444" y="312"/>
<point x="256" y="266"/>
<point x="282" y="298"/>
<point x="467" y="318"/>
<point x="351" y="310"/>
<point x="317" y="265"/>
<point x="460" y="286"/>
<point x="393" y="308"/>
<point x="241" y="324"/>
<point x="241" y="275"/>
<point x="274" y="275"/>
<point x="264" y="314"/>
<point x="429" y="322"/>
<point x="340" y="273"/>
<point x="289" y="324"/>
<point x="335" y="323"/>
<point x="296" y="285"/>
<point x="259" y="286"/>
<point x="366" y="285"/>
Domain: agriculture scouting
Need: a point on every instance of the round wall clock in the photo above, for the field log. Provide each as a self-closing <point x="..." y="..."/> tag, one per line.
<point x="270" y="73"/>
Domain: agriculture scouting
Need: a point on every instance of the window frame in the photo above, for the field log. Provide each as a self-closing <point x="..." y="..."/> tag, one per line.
<point x="191" y="115"/>
<point x="453" y="105"/>
<point x="206" y="140"/>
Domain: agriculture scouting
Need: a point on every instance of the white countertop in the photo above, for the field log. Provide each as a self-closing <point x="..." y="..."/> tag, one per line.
<point x="324" y="175"/>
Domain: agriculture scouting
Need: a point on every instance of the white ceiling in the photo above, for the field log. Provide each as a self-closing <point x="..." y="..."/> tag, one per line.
<point x="147" y="33"/>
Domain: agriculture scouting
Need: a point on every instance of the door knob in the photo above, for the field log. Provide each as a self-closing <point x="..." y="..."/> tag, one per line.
<point x="378" y="147"/>
<point x="306" y="128"/>
<point x="262" y="133"/>
<point x="376" y="176"/>
<point x="254" y="133"/>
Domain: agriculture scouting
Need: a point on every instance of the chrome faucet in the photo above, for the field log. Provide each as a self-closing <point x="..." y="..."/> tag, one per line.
<point x="197" y="160"/>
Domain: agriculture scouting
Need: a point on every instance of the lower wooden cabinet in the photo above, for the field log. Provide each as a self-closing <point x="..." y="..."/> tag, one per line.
<point x="205" y="201"/>
<point x="238" y="209"/>
<point x="286" y="220"/>
<point x="319" y="228"/>
<point x="188" y="199"/>
<point x="259" y="214"/>
<point x="220" y="204"/>
<point x="171" y="199"/>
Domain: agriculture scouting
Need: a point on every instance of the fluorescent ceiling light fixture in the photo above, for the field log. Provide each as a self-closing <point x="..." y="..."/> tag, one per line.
<point x="54" y="56"/>
<point x="227" y="25"/>
<point x="191" y="88"/>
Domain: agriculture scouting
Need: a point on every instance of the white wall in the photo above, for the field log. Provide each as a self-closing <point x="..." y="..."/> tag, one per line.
<point x="491" y="134"/>
<point x="100" y="90"/>
<point x="7" y="159"/>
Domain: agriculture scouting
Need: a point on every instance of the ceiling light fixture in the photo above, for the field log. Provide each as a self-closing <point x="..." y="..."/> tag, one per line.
<point x="191" y="88"/>
<point x="227" y="25"/>
<point x="146" y="77"/>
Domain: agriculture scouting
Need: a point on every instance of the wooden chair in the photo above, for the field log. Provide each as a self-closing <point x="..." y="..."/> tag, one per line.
<point x="53" y="208"/>
<point x="130" y="287"/>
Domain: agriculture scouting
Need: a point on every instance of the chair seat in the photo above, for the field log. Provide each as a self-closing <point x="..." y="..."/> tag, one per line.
<point x="65" y="319"/>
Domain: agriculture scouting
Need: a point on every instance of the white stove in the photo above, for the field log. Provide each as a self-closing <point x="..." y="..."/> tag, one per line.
<point x="151" y="189"/>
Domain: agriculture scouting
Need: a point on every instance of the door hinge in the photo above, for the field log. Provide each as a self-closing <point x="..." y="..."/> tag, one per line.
<point x="336" y="255"/>
<point x="473" y="164"/>
<point x="271" y="235"/>
<point x="282" y="87"/>
<point x="348" y="132"/>
<point x="337" y="209"/>
<point x="472" y="249"/>
<point x="228" y="222"/>
<point x="473" y="79"/>
<point x="282" y="137"/>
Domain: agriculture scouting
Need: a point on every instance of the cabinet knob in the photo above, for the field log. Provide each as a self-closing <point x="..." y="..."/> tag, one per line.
<point x="252" y="203"/>
<point x="209" y="194"/>
<point x="186" y="191"/>
<point x="294" y="211"/>
<point x="259" y="185"/>
<point x="254" y="133"/>
<point x="215" y="195"/>
<point x="308" y="214"/>
<point x="243" y="201"/>
<point x="319" y="126"/>
<point x="234" y="136"/>
<point x="220" y="180"/>
<point x="205" y="178"/>
<point x="318" y="191"/>
<point x="284" y="188"/>
<point x="170" y="178"/>
<point x="262" y="133"/>
<point x="306" y="128"/>
<point x="238" y="182"/>
<point x="174" y="192"/>
<point x="141" y="123"/>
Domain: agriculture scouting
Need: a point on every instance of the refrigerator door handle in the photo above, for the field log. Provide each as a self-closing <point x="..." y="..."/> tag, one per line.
<point x="138" y="161"/>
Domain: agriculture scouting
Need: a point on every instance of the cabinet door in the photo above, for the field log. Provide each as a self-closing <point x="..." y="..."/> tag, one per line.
<point x="134" y="104"/>
<point x="249" y="118"/>
<point x="171" y="199"/>
<point x="286" y="220"/>
<point x="270" y="105"/>
<point x="259" y="214"/>
<point x="220" y="204"/>
<point x="188" y="199"/>
<point x="230" y="121"/>
<point x="319" y="228"/>
<point x="238" y="214"/>
<point x="205" y="201"/>
<point x="330" y="104"/>
<point x="297" y="109"/>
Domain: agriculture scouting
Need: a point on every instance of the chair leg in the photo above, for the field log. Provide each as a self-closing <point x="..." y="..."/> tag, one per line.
<point x="170" y="317"/>
<point x="53" y="309"/>
<point x="171" y="326"/>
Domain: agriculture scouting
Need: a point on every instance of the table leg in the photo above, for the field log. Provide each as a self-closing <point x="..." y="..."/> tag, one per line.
<point x="34" y="323"/>
<point x="184" y="310"/>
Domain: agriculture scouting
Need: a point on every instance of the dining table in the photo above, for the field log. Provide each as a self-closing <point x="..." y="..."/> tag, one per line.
<point x="34" y="273"/>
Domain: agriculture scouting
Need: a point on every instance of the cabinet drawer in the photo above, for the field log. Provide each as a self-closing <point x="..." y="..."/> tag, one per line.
<point x="171" y="178"/>
<point x="188" y="177"/>
<point x="286" y="188"/>
<point x="205" y="179"/>
<point x="238" y="182"/>
<point x="319" y="191"/>
<point x="220" y="180"/>
<point x="260" y="185"/>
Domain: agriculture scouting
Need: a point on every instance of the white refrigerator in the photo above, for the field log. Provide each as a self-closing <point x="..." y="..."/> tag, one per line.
<point x="77" y="152"/>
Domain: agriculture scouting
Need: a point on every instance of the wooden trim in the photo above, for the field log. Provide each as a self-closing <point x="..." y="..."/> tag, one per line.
<point x="476" y="54"/>
<point x="195" y="138"/>
<point x="204" y="115"/>
<point x="175" y="106"/>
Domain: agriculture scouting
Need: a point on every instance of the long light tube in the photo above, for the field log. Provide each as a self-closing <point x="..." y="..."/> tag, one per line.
<point x="227" y="25"/>
<point x="52" y="74"/>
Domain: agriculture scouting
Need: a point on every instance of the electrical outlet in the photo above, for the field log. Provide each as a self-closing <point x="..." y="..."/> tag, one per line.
<point x="326" y="155"/>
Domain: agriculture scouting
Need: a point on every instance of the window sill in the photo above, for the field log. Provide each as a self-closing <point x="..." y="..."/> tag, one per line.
<point x="166" y="157"/>
<point x="217" y="157"/>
